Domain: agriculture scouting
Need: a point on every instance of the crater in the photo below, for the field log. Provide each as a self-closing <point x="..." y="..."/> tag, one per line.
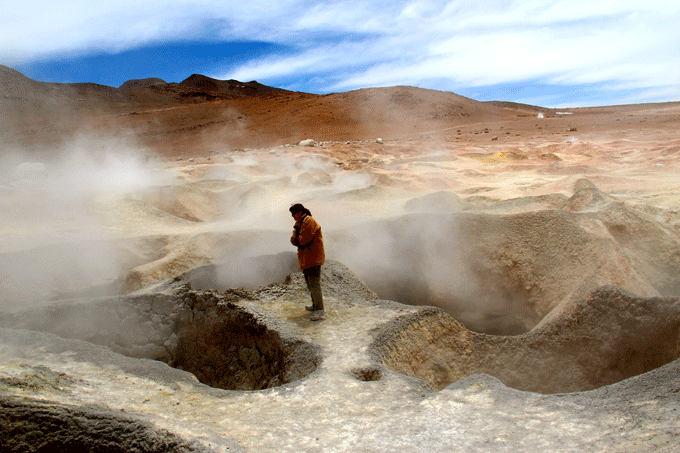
<point x="207" y="333"/>
<point x="248" y="273"/>
<point x="610" y="336"/>
<point x="502" y="274"/>
<point x="368" y="373"/>
<point x="227" y="347"/>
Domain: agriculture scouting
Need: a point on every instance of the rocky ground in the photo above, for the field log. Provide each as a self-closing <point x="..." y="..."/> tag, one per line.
<point x="500" y="277"/>
<point x="358" y="395"/>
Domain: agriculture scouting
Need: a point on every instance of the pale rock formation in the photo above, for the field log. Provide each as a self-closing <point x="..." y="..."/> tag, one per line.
<point x="367" y="381"/>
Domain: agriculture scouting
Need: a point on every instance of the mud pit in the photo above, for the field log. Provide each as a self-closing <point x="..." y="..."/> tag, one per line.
<point x="227" y="347"/>
<point x="223" y="344"/>
<point x="612" y="335"/>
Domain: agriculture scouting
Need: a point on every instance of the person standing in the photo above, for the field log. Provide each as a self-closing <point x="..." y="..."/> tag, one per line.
<point x="308" y="239"/>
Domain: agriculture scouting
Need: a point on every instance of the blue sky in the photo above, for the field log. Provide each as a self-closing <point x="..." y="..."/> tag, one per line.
<point x="552" y="53"/>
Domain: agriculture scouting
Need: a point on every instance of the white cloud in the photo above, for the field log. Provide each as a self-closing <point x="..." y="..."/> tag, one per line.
<point x="625" y="43"/>
<point x="369" y="43"/>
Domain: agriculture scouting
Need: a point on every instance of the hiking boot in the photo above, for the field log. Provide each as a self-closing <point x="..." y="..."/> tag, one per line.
<point x="317" y="315"/>
<point x="309" y="308"/>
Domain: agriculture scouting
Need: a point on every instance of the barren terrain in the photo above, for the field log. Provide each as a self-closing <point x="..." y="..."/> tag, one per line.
<point x="548" y="241"/>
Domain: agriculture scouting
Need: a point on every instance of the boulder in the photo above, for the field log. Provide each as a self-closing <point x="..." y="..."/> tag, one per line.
<point x="307" y="142"/>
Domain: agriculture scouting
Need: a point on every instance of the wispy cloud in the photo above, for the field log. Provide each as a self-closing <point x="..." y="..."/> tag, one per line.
<point x="345" y="45"/>
<point x="624" y="44"/>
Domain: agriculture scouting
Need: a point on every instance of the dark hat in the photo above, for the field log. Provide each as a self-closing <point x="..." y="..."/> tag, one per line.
<point x="297" y="207"/>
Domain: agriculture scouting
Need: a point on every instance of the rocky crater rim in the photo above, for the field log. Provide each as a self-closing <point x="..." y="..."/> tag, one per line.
<point x="610" y="336"/>
<point x="206" y="333"/>
<point x="505" y="271"/>
<point x="39" y="426"/>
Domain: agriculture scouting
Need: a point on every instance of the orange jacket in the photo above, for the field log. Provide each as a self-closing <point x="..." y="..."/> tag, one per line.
<point x="308" y="239"/>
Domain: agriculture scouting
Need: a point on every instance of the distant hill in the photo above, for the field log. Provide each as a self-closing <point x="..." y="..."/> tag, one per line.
<point x="15" y="88"/>
<point x="9" y="76"/>
<point x="232" y="87"/>
<point x="19" y="91"/>
<point x="518" y="106"/>
<point x="201" y="113"/>
<point x="143" y="83"/>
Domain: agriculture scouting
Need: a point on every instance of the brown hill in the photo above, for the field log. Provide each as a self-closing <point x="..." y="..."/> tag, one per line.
<point x="143" y="83"/>
<point x="201" y="115"/>
<point x="231" y="87"/>
<point x="14" y="85"/>
<point x="18" y="90"/>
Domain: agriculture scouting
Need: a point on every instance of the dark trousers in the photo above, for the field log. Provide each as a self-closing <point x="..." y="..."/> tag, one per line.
<point x="313" y="279"/>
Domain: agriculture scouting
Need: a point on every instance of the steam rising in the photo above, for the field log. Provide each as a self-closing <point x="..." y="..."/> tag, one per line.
<point x="424" y="259"/>
<point x="104" y="217"/>
<point x="88" y="215"/>
<point x="53" y="237"/>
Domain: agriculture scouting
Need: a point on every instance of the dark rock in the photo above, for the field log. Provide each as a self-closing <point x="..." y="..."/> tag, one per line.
<point x="27" y="425"/>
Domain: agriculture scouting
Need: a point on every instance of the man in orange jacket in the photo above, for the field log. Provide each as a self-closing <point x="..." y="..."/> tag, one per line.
<point x="308" y="239"/>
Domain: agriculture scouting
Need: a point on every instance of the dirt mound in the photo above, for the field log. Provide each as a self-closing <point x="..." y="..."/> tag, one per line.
<point x="499" y="157"/>
<point x="437" y="202"/>
<point x="196" y="202"/>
